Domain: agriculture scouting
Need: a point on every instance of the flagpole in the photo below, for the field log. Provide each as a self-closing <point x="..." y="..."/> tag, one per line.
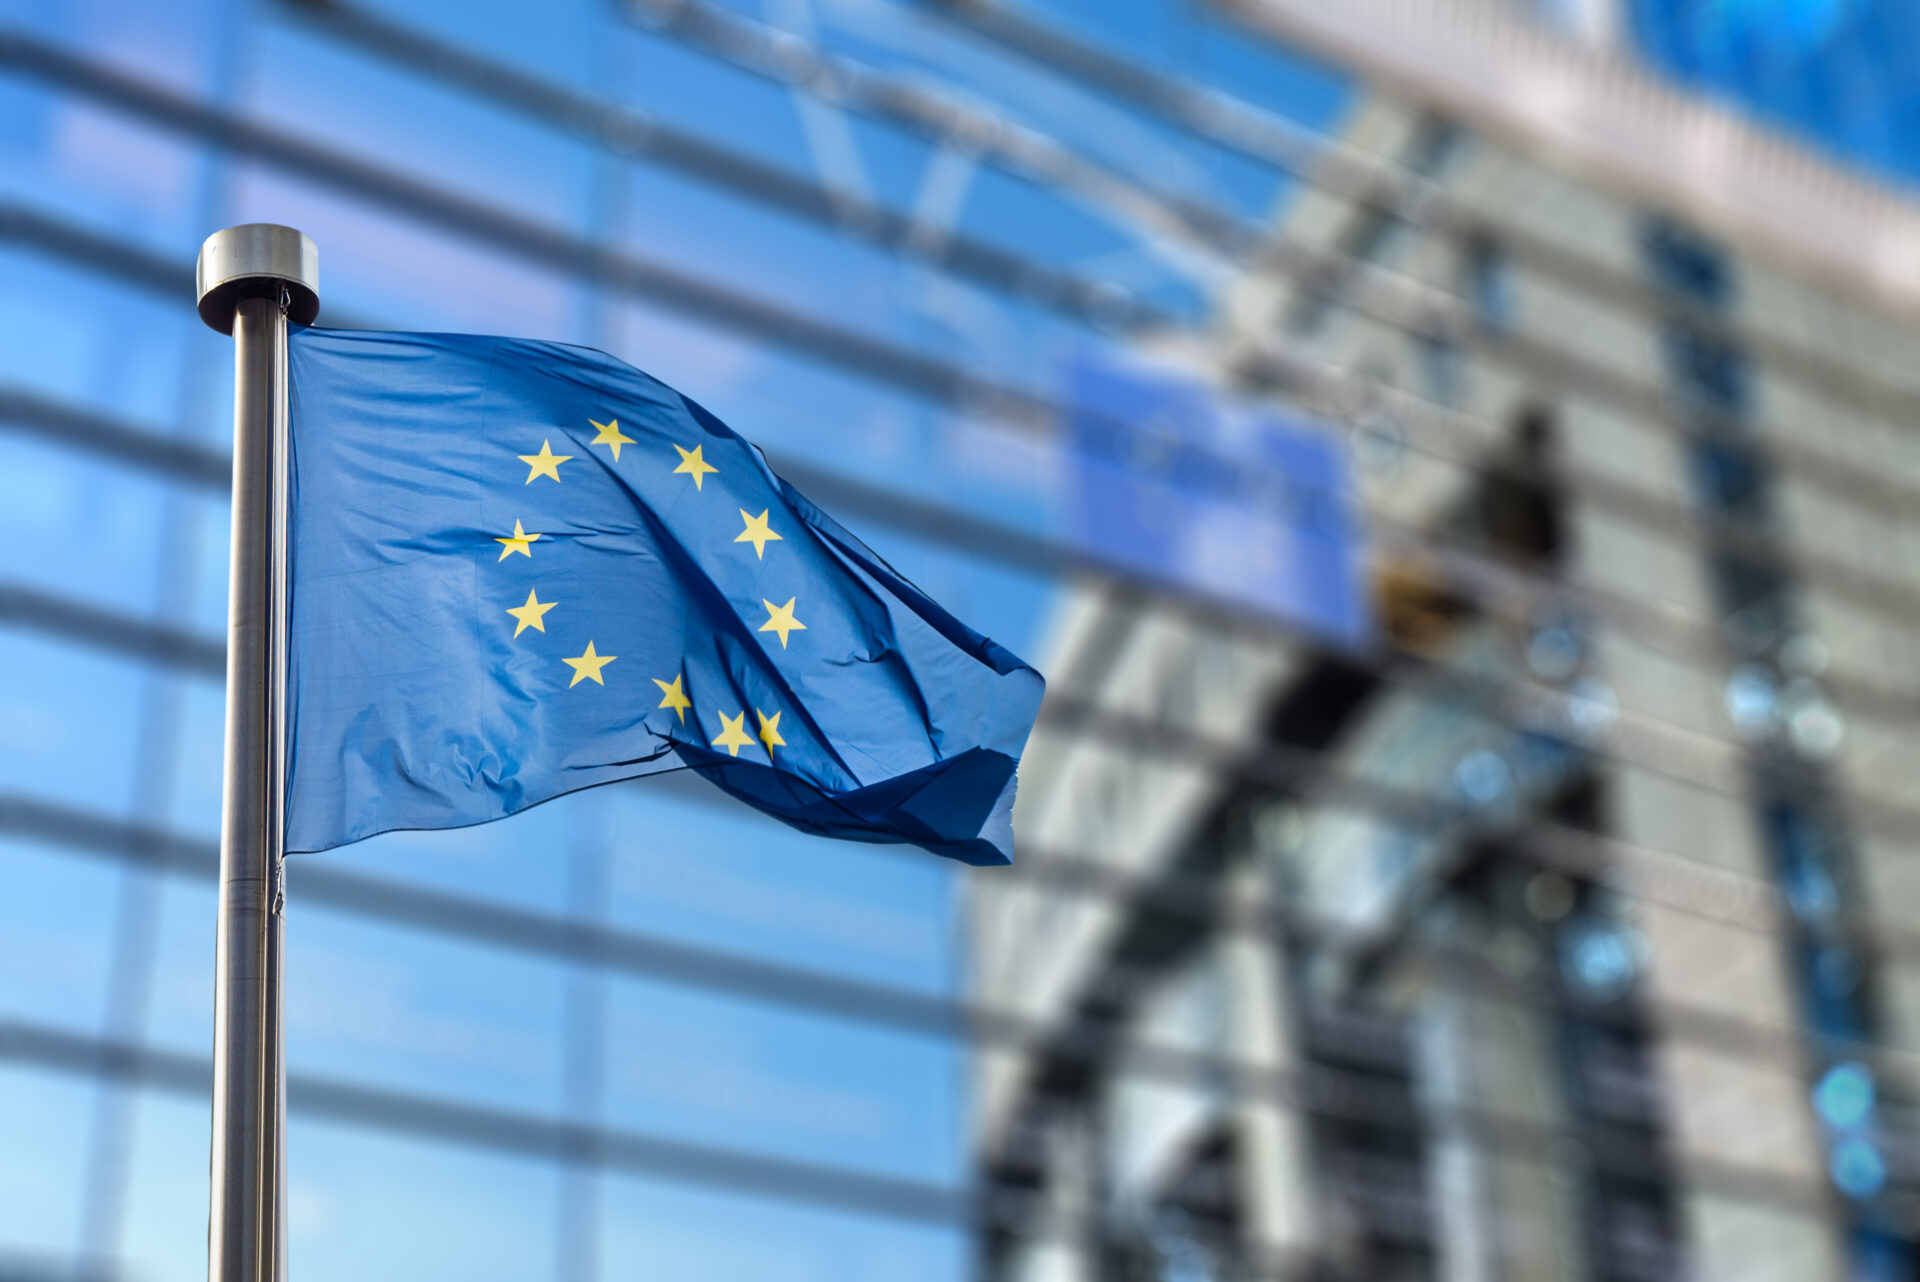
<point x="251" y="280"/>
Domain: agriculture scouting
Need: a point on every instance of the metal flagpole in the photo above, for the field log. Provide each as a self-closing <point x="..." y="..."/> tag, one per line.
<point x="251" y="281"/>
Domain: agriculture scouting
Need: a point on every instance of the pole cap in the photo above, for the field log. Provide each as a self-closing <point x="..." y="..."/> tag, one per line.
<point x="234" y="260"/>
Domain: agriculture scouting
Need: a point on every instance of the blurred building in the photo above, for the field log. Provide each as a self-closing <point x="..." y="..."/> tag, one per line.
<point x="1561" y="935"/>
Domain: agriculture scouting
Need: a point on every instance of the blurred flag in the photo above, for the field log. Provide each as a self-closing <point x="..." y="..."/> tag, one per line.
<point x="521" y="568"/>
<point x="1180" y="484"/>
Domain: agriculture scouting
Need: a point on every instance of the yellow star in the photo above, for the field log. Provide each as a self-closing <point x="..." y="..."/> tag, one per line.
<point x="693" y="465"/>
<point x="769" y="730"/>
<point x="780" y="619"/>
<point x="674" y="695"/>
<point x="545" y="463"/>
<point x="733" y="734"/>
<point x="520" y="541"/>
<point x="532" y="614"/>
<point x="610" y="435"/>
<point x="588" y="666"/>
<point x="757" y="533"/>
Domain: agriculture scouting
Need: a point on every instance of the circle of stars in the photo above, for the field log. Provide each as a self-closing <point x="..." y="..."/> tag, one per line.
<point x="590" y="665"/>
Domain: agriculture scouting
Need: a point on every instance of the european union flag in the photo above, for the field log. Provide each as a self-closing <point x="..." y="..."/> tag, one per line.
<point x="520" y="568"/>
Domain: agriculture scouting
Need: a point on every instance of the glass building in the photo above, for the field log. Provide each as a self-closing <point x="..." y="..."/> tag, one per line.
<point x="1471" y="835"/>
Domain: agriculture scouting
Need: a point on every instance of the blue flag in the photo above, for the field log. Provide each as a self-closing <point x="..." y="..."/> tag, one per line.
<point x="520" y="569"/>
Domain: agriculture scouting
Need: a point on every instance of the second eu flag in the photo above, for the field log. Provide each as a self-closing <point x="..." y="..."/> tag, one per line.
<point x="521" y="568"/>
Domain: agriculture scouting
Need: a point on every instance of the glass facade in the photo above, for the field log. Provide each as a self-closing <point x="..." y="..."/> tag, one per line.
<point x="1469" y="833"/>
